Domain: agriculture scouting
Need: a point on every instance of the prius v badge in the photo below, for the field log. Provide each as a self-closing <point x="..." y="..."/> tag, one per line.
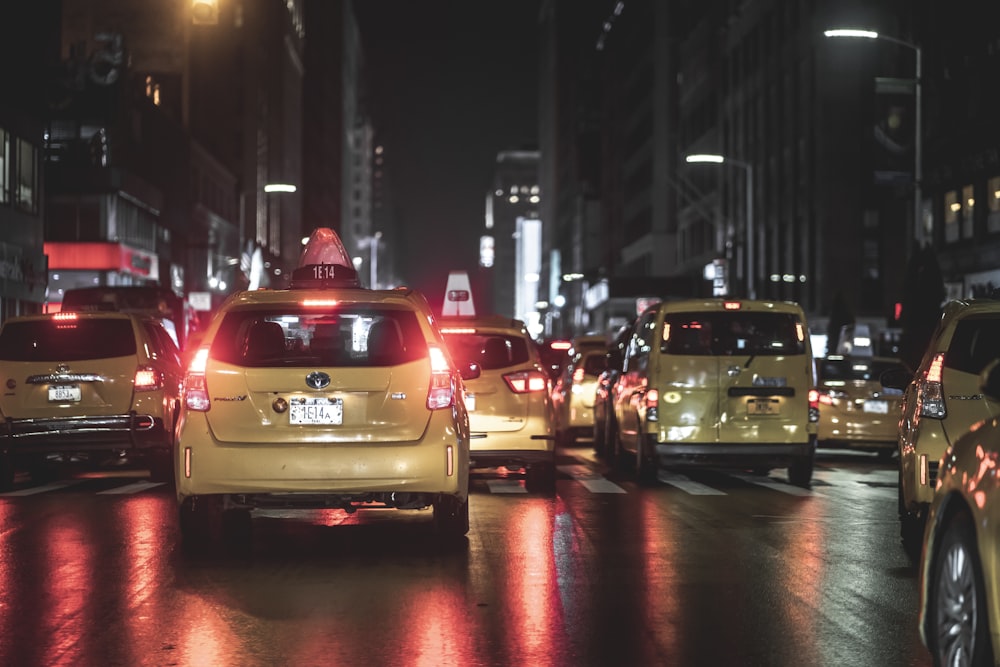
<point x="318" y="380"/>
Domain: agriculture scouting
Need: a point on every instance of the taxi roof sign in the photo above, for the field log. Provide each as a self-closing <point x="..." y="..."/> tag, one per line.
<point x="324" y="263"/>
<point x="458" y="296"/>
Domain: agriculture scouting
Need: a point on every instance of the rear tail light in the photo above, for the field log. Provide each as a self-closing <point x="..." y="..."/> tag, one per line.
<point x="195" y="384"/>
<point x="653" y="405"/>
<point x="930" y="393"/>
<point x="441" y="393"/>
<point x="815" y="398"/>
<point x="147" y="378"/>
<point x="526" y="382"/>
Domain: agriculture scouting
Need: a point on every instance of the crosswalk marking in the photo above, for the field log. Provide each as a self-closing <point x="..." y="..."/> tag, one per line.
<point x="44" y="488"/>
<point x="592" y="481"/>
<point x="688" y="485"/>
<point x="134" y="487"/>
<point x="601" y="486"/>
<point x="769" y="483"/>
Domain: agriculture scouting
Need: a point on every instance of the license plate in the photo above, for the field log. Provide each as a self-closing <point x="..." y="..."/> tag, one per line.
<point x="470" y="402"/>
<point x="64" y="392"/>
<point x="321" y="411"/>
<point x="762" y="406"/>
<point x="877" y="407"/>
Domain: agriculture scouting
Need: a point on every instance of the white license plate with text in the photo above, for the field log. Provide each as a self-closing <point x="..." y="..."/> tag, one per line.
<point x="316" y="411"/>
<point x="64" y="392"/>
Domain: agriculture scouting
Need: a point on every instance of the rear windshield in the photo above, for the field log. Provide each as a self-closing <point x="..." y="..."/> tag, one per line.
<point x="834" y="370"/>
<point x="490" y="350"/>
<point x="732" y="333"/>
<point x="61" y="340"/>
<point x="300" y="337"/>
<point x="975" y="343"/>
<point x="595" y="363"/>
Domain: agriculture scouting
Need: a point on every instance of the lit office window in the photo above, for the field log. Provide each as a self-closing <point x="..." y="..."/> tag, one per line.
<point x="952" y="209"/>
<point x="993" y="199"/>
<point x="968" y="211"/>
<point x="4" y="167"/>
<point x="27" y="177"/>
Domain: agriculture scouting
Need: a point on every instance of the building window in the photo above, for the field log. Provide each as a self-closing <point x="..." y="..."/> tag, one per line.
<point x="968" y="211"/>
<point x="951" y="210"/>
<point x="993" y="197"/>
<point x="27" y="177"/>
<point x="4" y="167"/>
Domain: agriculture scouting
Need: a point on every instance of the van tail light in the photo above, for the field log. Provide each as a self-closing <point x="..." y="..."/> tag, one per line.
<point x="526" y="382"/>
<point x="653" y="405"/>
<point x="930" y="392"/>
<point x="195" y="384"/>
<point x="815" y="398"/>
<point x="441" y="392"/>
<point x="147" y="378"/>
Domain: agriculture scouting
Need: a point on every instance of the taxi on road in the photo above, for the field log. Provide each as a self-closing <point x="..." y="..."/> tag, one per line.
<point x="322" y="395"/>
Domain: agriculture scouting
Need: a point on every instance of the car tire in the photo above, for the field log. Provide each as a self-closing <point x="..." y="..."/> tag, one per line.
<point x="958" y="629"/>
<point x="200" y="520"/>
<point x="911" y="527"/>
<point x="800" y="472"/>
<point x="6" y="472"/>
<point x="451" y="517"/>
<point x="600" y="439"/>
<point x="540" y="477"/>
<point x="645" y="465"/>
<point x="161" y="467"/>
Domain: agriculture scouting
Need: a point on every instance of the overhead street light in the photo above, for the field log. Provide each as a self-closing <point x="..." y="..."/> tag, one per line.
<point x="918" y="176"/>
<point x="751" y="232"/>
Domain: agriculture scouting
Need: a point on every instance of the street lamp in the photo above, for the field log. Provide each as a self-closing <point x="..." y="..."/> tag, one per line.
<point x="918" y="175"/>
<point x="750" y="230"/>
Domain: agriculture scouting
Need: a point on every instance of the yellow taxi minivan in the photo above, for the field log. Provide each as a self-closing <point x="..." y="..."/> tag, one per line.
<point x="718" y="383"/>
<point x="322" y="395"/>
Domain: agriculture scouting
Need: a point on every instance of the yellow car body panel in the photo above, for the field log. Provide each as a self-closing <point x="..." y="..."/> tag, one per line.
<point x="854" y="409"/>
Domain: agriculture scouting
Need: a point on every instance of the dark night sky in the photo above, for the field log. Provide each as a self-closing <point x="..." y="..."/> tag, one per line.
<point x="453" y="82"/>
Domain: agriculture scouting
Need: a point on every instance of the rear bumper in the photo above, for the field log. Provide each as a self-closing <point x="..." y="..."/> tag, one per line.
<point x="130" y="432"/>
<point x="727" y="455"/>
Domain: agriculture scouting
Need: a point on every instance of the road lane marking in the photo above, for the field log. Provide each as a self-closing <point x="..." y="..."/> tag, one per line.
<point x="53" y="486"/>
<point x="601" y="486"/>
<point x="768" y="483"/>
<point x="134" y="487"/>
<point x="687" y="484"/>
<point x="592" y="481"/>
<point x="505" y="486"/>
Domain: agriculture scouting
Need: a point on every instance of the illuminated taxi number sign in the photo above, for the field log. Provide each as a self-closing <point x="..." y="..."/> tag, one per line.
<point x="316" y="410"/>
<point x="458" y="295"/>
<point x="323" y="271"/>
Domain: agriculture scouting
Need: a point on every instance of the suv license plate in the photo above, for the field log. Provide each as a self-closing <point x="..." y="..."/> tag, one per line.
<point x="762" y="406"/>
<point x="877" y="407"/>
<point x="64" y="392"/>
<point x="322" y="411"/>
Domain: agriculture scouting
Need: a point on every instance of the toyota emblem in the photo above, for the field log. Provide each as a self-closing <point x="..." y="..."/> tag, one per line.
<point x="318" y="380"/>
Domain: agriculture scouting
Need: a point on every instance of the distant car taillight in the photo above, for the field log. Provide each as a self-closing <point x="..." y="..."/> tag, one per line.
<point x="653" y="405"/>
<point x="195" y="384"/>
<point x="441" y="393"/>
<point x="526" y="382"/>
<point x="930" y="392"/>
<point x="147" y="378"/>
<point x="815" y="398"/>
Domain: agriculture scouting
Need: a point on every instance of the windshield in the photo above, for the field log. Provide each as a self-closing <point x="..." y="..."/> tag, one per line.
<point x="732" y="333"/>
<point x="60" y="340"/>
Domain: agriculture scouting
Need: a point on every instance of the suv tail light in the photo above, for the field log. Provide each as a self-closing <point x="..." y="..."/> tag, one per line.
<point x="930" y="392"/>
<point x="815" y="398"/>
<point x="653" y="405"/>
<point x="147" y="378"/>
<point x="195" y="384"/>
<point x="526" y="382"/>
<point x="441" y="392"/>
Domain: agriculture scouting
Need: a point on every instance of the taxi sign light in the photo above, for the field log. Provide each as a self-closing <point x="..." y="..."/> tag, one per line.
<point x="324" y="263"/>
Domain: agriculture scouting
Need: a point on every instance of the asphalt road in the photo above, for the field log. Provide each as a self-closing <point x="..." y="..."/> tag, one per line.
<point x="705" y="568"/>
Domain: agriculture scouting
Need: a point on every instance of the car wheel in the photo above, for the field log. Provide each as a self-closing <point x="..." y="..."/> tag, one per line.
<point x="958" y="631"/>
<point x="161" y="467"/>
<point x="645" y="465"/>
<point x="540" y="477"/>
<point x="6" y="472"/>
<point x="800" y="472"/>
<point x="200" y="519"/>
<point x="451" y="517"/>
<point x="600" y="442"/>
<point x="911" y="527"/>
<point x="41" y="470"/>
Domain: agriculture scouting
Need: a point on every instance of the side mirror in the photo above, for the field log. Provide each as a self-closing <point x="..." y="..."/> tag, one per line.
<point x="469" y="370"/>
<point x="989" y="380"/>
<point x="896" y="378"/>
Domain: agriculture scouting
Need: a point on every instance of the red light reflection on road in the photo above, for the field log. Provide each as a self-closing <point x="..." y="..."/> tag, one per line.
<point x="662" y="598"/>
<point x="70" y="573"/>
<point x="440" y="634"/>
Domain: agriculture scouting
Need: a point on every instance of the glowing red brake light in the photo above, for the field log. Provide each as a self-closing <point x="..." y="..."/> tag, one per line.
<point x="732" y="305"/>
<point x="934" y="370"/>
<point x="195" y="385"/>
<point x="441" y="392"/>
<point x="147" y="379"/>
<point x="63" y="316"/>
<point x="560" y="345"/>
<point x="526" y="382"/>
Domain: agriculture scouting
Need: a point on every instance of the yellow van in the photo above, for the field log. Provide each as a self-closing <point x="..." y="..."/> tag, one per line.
<point x="722" y="383"/>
